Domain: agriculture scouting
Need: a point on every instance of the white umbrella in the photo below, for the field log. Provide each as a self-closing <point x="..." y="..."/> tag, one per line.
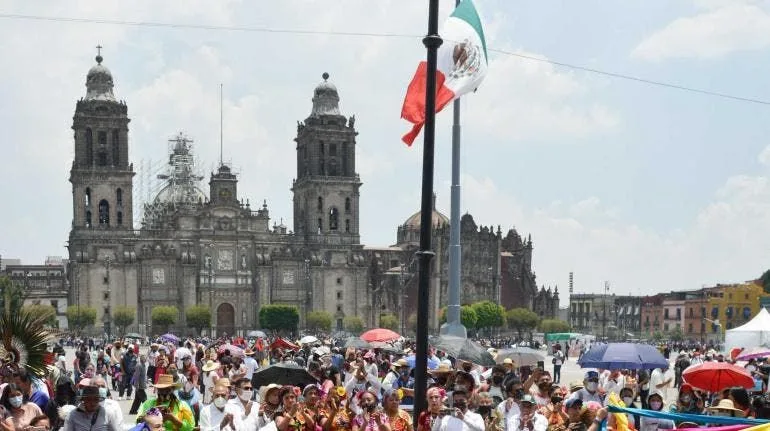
<point x="181" y="353"/>
<point x="256" y="334"/>
<point x="322" y="350"/>
<point x="308" y="339"/>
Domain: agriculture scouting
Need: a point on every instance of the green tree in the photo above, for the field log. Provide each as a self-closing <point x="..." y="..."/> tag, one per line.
<point x="676" y="334"/>
<point x="549" y="326"/>
<point x="764" y="281"/>
<point x="389" y="321"/>
<point x="279" y="317"/>
<point x="489" y="314"/>
<point x="80" y="317"/>
<point x="318" y="321"/>
<point x="123" y="317"/>
<point x="44" y="314"/>
<point x="658" y="336"/>
<point x="163" y="317"/>
<point x="353" y="324"/>
<point x="522" y="319"/>
<point x="11" y="295"/>
<point x="198" y="317"/>
<point x="468" y="317"/>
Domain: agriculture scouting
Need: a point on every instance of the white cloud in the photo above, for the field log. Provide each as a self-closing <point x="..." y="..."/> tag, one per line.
<point x="722" y="28"/>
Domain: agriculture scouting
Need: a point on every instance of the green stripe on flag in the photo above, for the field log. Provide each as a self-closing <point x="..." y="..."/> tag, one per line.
<point x="466" y="11"/>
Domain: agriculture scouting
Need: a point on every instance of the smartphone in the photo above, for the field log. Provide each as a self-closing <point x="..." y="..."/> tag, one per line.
<point x="541" y="365"/>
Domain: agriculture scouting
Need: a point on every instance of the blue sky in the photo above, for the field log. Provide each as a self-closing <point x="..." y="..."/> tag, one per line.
<point x="651" y="188"/>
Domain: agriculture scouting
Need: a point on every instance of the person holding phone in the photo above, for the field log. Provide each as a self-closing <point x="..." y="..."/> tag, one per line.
<point x="459" y="416"/>
<point x="371" y="417"/>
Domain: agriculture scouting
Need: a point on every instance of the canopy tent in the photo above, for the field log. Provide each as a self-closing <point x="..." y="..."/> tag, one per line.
<point x="560" y="336"/>
<point x="756" y="332"/>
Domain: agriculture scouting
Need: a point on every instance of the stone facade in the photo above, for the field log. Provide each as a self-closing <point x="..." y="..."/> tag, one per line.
<point x="213" y="248"/>
<point x="44" y="285"/>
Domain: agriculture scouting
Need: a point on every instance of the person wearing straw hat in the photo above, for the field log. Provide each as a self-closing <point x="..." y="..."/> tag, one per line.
<point x="177" y="415"/>
<point x="726" y="407"/>
<point x="210" y="378"/>
<point x="270" y="402"/>
<point x="250" y="363"/>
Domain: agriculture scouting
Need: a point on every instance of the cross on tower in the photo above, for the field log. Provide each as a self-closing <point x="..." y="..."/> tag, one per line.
<point x="98" y="50"/>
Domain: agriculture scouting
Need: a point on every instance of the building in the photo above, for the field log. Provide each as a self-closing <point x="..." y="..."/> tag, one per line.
<point x="43" y="285"/>
<point x="674" y="312"/>
<point x="730" y="306"/>
<point x="611" y="316"/>
<point x="208" y="245"/>
<point x="652" y="314"/>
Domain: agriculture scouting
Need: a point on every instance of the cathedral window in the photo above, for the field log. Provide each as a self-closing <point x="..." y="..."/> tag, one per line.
<point x="345" y="159"/>
<point x="321" y="167"/>
<point x="333" y="219"/>
<point x="333" y="168"/>
<point x="102" y="139"/>
<point x="88" y="196"/>
<point x="320" y="206"/>
<point x="347" y="205"/>
<point x="347" y="225"/>
<point x="115" y="148"/>
<point x="89" y="147"/>
<point x="119" y="197"/>
<point x="320" y="225"/>
<point x="102" y="158"/>
<point x="120" y="218"/>
<point x="333" y="150"/>
<point x="104" y="213"/>
<point x="88" y="218"/>
<point x="322" y="149"/>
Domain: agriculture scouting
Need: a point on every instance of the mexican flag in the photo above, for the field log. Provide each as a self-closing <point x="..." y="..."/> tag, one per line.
<point x="462" y="65"/>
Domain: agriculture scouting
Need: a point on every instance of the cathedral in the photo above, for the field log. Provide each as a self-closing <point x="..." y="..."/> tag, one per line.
<point x="211" y="247"/>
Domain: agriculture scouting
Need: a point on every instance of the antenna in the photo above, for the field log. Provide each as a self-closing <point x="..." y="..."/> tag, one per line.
<point x="221" y="122"/>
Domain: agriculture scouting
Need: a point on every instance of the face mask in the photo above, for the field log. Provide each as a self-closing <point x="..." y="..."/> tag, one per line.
<point x="404" y="373"/>
<point x="484" y="410"/>
<point x="369" y="407"/>
<point x="591" y="386"/>
<point x="656" y="405"/>
<point x="246" y="395"/>
<point x="461" y="406"/>
<point x="16" y="401"/>
<point x="102" y="392"/>
<point x="556" y="400"/>
<point x="497" y="379"/>
<point x="220" y="402"/>
<point x="544" y="386"/>
<point x="628" y="401"/>
<point x="685" y="399"/>
<point x="467" y="368"/>
<point x="518" y="394"/>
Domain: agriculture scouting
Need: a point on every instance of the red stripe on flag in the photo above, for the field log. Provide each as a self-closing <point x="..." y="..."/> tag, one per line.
<point x="413" y="109"/>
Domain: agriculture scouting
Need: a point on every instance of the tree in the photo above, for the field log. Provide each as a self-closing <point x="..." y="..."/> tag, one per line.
<point x="676" y="334"/>
<point x="658" y="336"/>
<point x="198" y="317"/>
<point x="11" y="295"/>
<point x="522" y="319"/>
<point x="319" y="321"/>
<point x="468" y="317"/>
<point x="80" y="317"/>
<point x="279" y="317"/>
<point x="353" y="324"/>
<point x="764" y="281"/>
<point x="164" y="316"/>
<point x="389" y="321"/>
<point x="123" y="317"/>
<point x="549" y="326"/>
<point x="489" y="314"/>
<point x="44" y="314"/>
<point x="411" y="321"/>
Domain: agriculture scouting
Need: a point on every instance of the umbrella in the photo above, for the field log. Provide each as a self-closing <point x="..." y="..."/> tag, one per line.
<point x="753" y="353"/>
<point x="616" y="356"/>
<point x="520" y="355"/>
<point x="133" y="335"/>
<point x="715" y="376"/>
<point x="280" y="343"/>
<point x="412" y="359"/>
<point x="171" y="338"/>
<point x="322" y="350"/>
<point x="356" y="343"/>
<point x="234" y="350"/>
<point x="256" y="334"/>
<point x="308" y="339"/>
<point x="181" y="353"/>
<point x="283" y="374"/>
<point x="463" y="349"/>
<point x="379" y="334"/>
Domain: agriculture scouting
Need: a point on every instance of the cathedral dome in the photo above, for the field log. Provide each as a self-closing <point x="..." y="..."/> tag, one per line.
<point x="99" y="82"/>
<point x="326" y="100"/>
<point x="437" y="218"/>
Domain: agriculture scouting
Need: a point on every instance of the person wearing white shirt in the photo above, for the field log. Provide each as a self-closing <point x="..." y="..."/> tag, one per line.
<point x="590" y="390"/>
<point x="613" y="382"/>
<point x="461" y="418"/>
<point x="528" y="418"/>
<point x="242" y="407"/>
<point x="250" y="363"/>
<point x="659" y="382"/>
<point x="213" y="416"/>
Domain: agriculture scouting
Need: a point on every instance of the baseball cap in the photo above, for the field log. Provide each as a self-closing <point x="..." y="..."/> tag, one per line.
<point x="573" y="402"/>
<point x="527" y="398"/>
<point x="592" y="374"/>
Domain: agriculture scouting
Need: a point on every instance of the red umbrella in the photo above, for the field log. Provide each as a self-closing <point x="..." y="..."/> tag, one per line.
<point x="379" y="334"/>
<point x="280" y="343"/>
<point x="715" y="376"/>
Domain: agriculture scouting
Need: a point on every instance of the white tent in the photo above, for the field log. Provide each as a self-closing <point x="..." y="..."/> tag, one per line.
<point x="756" y="332"/>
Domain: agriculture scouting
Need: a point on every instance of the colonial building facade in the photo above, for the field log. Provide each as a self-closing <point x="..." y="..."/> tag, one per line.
<point x="213" y="248"/>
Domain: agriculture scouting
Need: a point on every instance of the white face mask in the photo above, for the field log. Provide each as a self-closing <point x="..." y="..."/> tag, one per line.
<point x="16" y="401"/>
<point x="627" y="401"/>
<point x="246" y="395"/>
<point x="591" y="386"/>
<point x="220" y="402"/>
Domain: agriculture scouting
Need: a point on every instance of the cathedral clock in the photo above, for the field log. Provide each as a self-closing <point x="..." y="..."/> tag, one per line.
<point x="225" y="194"/>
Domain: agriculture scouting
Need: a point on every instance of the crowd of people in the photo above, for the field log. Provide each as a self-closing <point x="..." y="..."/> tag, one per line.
<point x="187" y="386"/>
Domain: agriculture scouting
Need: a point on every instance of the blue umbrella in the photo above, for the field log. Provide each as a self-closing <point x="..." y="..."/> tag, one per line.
<point x="171" y="338"/>
<point x="432" y="363"/>
<point x="615" y="356"/>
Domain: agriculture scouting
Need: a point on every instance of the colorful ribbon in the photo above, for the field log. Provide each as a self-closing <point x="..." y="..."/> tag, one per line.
<point x="688" y="417"/>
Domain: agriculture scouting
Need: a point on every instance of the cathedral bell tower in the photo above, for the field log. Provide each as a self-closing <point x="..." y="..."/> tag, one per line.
<point x="326" y="190"/>
<point x="101" y="176"/>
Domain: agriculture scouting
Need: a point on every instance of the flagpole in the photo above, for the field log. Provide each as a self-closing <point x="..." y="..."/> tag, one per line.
<point x="432" y="41"/>
<point x="454" y="325"/>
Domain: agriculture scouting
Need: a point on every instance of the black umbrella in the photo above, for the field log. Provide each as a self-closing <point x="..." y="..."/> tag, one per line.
<point x="356" y="343"/>
<point x="464" y="349"/>
<point x="283" y="374"/>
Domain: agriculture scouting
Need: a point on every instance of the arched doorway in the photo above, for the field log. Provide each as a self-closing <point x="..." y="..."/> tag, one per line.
<point x="225" y="319"/>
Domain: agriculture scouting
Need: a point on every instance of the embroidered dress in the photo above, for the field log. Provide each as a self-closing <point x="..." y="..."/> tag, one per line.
<point x="341" y="421"/>
<point x="370" y="424"/>
<point x="401" y="421"/>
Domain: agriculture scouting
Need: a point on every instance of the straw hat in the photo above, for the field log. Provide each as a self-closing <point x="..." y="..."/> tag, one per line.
<point x="726" y="404"/>
<point x="248" y="351"/>
<point x="575" y="385"/>
<point x="210" y="366"/>
<point x="223" y="381"/>
<point x="265" y="389"/>
<point x="399" y="363"/>
<point x="443" y="368"/>
<point x="165" y="381"/>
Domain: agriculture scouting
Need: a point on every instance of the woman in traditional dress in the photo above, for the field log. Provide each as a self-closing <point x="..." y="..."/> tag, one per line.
<point x="399" y="419"/>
